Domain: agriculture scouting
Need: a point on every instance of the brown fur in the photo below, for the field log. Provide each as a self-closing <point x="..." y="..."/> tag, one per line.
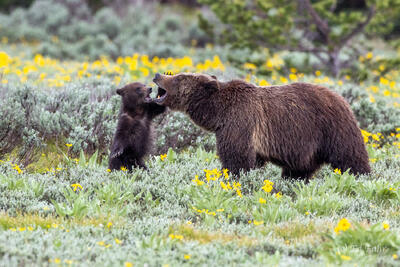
<point x="134" y="135"/>
<point x="298" y="126"/>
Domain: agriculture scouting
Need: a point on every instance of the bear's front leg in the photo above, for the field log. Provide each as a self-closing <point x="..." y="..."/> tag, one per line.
<point x="115" y="163"/>
<point x="297" y="175"/>
<point x="140" y="163"/>
<point x="154" y="110"/>
<point x="236" y="155"/>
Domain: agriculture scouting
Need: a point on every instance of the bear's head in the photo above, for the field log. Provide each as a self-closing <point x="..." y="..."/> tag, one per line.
<point x="134" y="95"/>
<point x="177" y="91"/>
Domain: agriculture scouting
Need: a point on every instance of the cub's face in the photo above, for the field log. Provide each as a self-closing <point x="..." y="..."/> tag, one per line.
<point x="175" y="91"/>
<point x="134" y="95"/>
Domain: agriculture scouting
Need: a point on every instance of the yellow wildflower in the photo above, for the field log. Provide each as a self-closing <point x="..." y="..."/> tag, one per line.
<point x="4" y="59"/>
<point x="128" y="264"/>
<point x="226" y="173"/>
<point x="172" y="236"/>
<point x="17" y="168"/>
<point x="68" y="145"/>
<point x="293" y="77"/>
<point x="263" y="83"/>
<point x="343" y="225"/>
<point x="384" y="81"/>
<point x="258" y="222"/>
<point x="268" y="186"/>
<point x="338" y="171"/>
<point x="386" y="226"/>
<point x="386" y="93"/>
<point x="249" y="66"/>
<point x="344" y="257"/>
<point x="76" y="186"/>
<point x="374" y="88"/>
<point x="212" y="174"/>
<point x="262" y="200"/>
<point x="224" y="186"/>
<point x="124" y="169"/>
<point x="163" y="156"/>
<point x="371" y="99"/>
<point x="197" y="181"/>
<point x="239" y="193"/>
<point x="236" y="185"/>
<point x="187" y="256"/>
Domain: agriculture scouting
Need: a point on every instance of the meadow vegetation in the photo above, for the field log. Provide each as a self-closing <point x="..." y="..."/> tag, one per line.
<point x="60" y="205"/>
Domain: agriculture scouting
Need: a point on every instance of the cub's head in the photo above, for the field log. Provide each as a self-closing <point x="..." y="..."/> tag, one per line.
<point x="134" y="95"/>
<point x="177" y="91"/>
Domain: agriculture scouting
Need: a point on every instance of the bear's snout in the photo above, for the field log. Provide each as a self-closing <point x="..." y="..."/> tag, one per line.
<point x="157" y="77"/>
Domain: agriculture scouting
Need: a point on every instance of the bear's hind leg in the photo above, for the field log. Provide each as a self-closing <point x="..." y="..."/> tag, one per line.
<point x="349" y="152"/>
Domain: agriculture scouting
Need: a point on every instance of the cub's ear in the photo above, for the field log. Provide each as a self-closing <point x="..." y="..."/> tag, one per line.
<point x="119" y="91"/>
<point x="214" y="77"/>
<point x="212" y="86"/>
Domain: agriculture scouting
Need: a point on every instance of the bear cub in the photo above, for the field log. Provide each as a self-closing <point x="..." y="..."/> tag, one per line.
<point x="133" y="138"/>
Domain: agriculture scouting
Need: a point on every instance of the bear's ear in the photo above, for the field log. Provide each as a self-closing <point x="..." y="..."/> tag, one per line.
<point x="120" y="91"/>
<point x="215" y="77"/>
<point x="212" y="86"/>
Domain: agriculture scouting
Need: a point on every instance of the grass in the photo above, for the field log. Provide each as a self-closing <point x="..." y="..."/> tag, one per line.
<point x="148" y="217"/>
<point x="22" y="222"/>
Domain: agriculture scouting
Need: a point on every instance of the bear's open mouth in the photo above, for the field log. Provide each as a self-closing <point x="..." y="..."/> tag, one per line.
<point x="161" y="95"/>
<point x="147" y="98"/>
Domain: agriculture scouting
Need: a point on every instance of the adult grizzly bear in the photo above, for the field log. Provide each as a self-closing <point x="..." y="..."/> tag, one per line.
<point x="298" y="126"/>
<point x="134" y="135"/>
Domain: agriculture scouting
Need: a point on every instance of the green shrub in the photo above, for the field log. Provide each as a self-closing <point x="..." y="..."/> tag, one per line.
<point x="68" y="29"/>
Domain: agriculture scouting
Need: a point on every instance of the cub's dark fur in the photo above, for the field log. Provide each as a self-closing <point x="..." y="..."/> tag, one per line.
<point x="133" y="138"/>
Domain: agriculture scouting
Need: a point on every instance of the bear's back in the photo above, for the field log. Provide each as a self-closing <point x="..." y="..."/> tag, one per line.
<point x="301" y="115"/>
